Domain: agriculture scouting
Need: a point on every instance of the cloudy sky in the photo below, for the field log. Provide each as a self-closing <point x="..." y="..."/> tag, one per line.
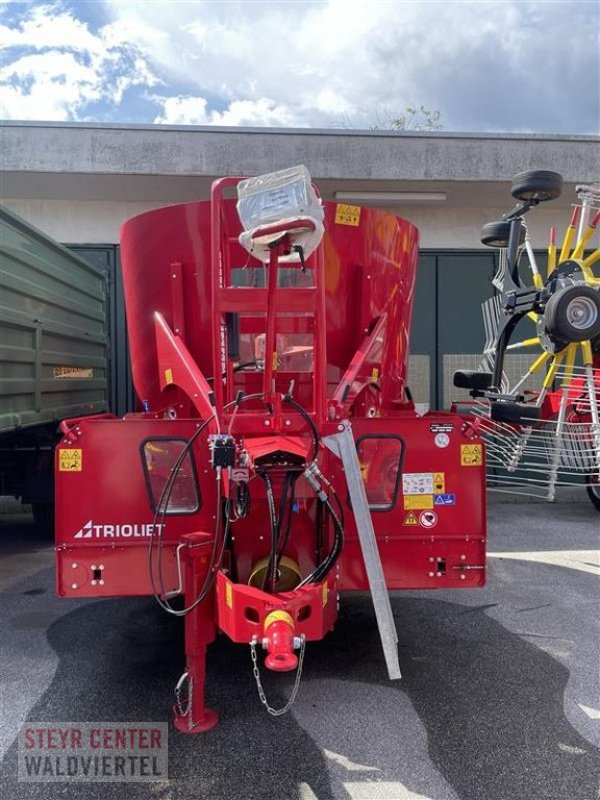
<point x="508" y="65"/>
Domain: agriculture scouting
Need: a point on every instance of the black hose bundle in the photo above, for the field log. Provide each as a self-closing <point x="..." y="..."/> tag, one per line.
<point x="161" y="510"/>
<point x="324" y="568"/>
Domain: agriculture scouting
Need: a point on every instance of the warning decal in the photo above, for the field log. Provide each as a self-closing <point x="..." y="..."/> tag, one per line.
<point x="410" y="519"/>
<point x="471" y="455"/>
<point x="445" y="500"/>
<point x="428" y="519"/>
<point x="439" y="482"/>
<point x="347" y="215"/>
<point x="417" y="483"/>
<point x="72" y="372"/>
<point x="412" y="501"/>
<point x="168" y="376"/>
<point x="69" y="460"/>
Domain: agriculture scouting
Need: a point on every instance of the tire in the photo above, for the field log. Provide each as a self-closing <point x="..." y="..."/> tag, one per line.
<point x="43" y="516"/>
<point x="495" y="234"/>
<point x="593" y="490"/>
<point x="573" y="314"/>
<point x="540" y="185"/>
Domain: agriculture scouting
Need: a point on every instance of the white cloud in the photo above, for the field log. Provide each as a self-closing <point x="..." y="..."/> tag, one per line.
<point x="490" y="65"/>
<point x="186" y="110"/>
<point x="47" y="86"/>
<point x="61" y="66"/>
<point x="50" y="26"/>
<point x="486" y="65"/>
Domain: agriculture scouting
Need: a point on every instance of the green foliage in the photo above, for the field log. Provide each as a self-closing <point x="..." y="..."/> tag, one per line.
<point x="411" y="119"/>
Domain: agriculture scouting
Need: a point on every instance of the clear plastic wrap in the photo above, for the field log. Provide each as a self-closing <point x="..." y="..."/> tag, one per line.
<point x="285" y="194"/>
<point x="279" y="197"/>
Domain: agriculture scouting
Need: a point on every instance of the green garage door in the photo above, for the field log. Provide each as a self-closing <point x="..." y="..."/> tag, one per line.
<point x="447" y="332"/>
<point x="106" y="257"/>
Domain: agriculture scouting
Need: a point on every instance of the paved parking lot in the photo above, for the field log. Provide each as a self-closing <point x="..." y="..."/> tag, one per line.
<point x="500" y="696"/>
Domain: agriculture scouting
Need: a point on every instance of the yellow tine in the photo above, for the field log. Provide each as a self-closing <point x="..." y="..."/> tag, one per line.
<point x="539" y="362"/>
<point x="524" y="343"/>
<point x="587" y="235"/>
<point x="591" y="259"/>
<point x="552" y="371"/>
<point x="586" y="351"/>
<point x="552" y="251"/>
<point x="570" y="353"/>
<point x="569" y="234"/>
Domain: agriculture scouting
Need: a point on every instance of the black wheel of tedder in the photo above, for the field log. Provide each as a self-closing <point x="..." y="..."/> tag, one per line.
<point x="495" y="234"/>
<point x="537" y="184"/>
<point x="593" y="490"/>
<point x="573" y="314"/>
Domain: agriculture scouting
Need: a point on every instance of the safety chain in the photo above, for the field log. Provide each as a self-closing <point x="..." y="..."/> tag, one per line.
<point x="188" y="706"/>
<point x="277" y="712"/>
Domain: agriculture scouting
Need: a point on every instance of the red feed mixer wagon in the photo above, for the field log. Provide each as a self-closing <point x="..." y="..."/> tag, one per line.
<point x="277" y="459"/>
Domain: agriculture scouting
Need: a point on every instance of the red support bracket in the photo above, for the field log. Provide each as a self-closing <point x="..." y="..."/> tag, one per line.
<point x="199" y="632"/>
<point x="176" y="367"/>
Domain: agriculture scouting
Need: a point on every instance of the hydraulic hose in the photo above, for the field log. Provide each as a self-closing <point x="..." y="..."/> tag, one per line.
<point x="161" y="508"/>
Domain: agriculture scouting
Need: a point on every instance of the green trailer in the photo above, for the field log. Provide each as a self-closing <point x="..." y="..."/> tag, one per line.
<point x="53" y="354"/>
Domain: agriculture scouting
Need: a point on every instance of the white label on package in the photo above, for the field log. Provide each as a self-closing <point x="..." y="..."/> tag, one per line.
<point x="417" y="483"/>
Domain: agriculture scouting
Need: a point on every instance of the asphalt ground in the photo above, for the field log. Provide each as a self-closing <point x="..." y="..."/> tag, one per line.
<point x="499" y="700"/>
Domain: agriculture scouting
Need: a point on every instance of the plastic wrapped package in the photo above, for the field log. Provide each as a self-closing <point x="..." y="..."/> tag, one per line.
<point x="276" y="198"/>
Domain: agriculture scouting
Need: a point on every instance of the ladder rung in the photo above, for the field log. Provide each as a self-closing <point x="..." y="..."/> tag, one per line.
<point x="301" y="300"/>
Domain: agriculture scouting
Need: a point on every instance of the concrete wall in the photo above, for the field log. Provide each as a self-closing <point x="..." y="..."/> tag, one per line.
<point x="79" y="182"/>
<point x="362" y="155"/>
<point x="98" y="222"/>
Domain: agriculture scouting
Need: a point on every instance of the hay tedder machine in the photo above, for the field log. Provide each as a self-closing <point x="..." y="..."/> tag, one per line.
<point x="541" y="425"/>
<point x="277" y="458"/>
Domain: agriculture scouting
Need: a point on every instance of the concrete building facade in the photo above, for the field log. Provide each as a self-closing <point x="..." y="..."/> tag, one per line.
<point x="79" y="182"/>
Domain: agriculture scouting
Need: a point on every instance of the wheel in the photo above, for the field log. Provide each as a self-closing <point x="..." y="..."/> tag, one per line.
<point x="593" y="490"/>
<point x="538" y="185"/>
<point x="573" y="314"/>
<point x="558" y="363"/>
<point x="495" y="234"/>
<point x="43" y="516"/>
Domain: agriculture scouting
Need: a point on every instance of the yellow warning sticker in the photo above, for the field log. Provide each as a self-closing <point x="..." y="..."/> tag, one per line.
<point x="418" y="501"/>
<point x="168" y="376"/>
<point x="439" y="482"/>
<point x="347" y="215"/>
<point x="229" y="595"/>
<point x="72" y="372"/>
<point x="471" y="455"/>
<point x="375" y="375"/>
<point x="69" y="460"/>
<point x="325" y="594"/>
<point x="410" y="519"/>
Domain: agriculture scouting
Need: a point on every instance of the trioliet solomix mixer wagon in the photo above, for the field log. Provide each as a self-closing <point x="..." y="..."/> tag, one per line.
<point x="277" y="459"/>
